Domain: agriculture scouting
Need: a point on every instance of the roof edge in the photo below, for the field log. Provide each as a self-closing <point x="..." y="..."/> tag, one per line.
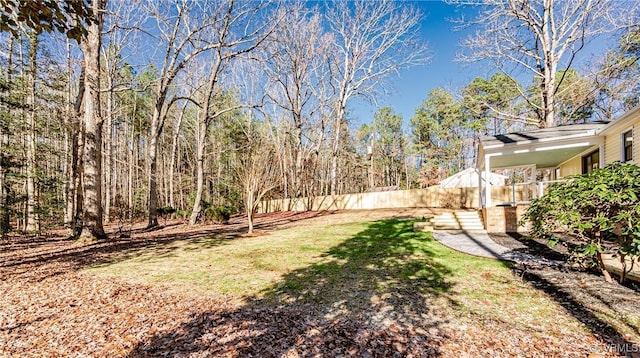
<point x="620" y="121"/>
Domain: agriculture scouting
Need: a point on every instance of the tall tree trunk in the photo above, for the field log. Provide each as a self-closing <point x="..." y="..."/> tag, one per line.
<point x="108" y="144"/>
<point x="78" y="177"/>
<point x="92" y="174"/>
<point x="165" y="183"/>
<point x="336" y="148"/>
<point x="174" y="153"/>
<point x="133" y="150"/>
<point x="33" y="222"/>
<point x="250" y="203"/>
<point x="74" y="203"/>
<point x="203" y="123"/>
<point x="202" y="130"/>
<point x="156" y="129"/>
<point x="68" y="194"/>
<point x="72" y="183"/>
<point x="4" y="139"/>
<point x="548" y="95"/>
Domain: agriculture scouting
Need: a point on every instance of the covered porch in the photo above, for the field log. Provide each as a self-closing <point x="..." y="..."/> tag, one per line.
<point x="561" y="151"/>
<point x="540" y="157"/>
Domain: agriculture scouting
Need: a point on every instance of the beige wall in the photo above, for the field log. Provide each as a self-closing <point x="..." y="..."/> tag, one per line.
<point x="571" y="167"/>
<point x="612" y="149"/>
<point x="432" y="197"/>
<point x="613" y="145"/>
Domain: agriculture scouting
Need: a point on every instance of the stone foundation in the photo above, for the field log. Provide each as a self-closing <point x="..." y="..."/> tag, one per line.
<point x="504" y="218"/>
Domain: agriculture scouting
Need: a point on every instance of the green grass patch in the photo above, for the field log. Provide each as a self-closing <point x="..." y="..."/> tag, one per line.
<point x="352" y="267"/>
<point x="238" y="267"/>
<point x="322" y="263"/>
<point x="329" y="263"/>
<point x="296" y="261"/>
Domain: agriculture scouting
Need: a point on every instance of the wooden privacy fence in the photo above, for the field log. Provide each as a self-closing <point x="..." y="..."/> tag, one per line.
<point x="431" y="197"/>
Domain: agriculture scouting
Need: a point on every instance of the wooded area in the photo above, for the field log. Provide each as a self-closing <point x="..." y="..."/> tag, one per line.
<point x="204" y="107"/>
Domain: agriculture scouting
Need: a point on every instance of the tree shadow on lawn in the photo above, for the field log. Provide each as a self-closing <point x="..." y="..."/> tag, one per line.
<point x="39" y="257"/>
<point x="372" y="295"/>
<point x="54" y="258"/>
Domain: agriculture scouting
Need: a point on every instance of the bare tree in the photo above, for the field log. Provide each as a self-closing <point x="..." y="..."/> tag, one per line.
<point x="32" y="222"/>
<point x="175" y="137"/>
<point x="234" y="33"/>
<point x="255" y="168"/>
<point x="5" y="225"/>
<point x="182" y="34"/>
<point x="92" y="228"/>
<point x="119" y="33"/>
<point x="296" y="61"/>
<point x="373" y="40"/>
<point x="74" y="145"/>
<point x="541" y="37"/>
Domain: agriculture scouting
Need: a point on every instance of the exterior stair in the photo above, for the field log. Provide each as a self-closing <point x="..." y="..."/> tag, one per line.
<point x="467" y="221"/>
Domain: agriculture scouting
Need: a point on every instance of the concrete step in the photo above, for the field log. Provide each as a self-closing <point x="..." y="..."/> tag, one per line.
<point x="471" y="213"/>
<point x="459" y="220"/>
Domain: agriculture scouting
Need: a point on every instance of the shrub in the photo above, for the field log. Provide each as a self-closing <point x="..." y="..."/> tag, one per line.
<point x="219" y="213"/>
<point x="601" y="210"/>
<point x="166" y="210"/>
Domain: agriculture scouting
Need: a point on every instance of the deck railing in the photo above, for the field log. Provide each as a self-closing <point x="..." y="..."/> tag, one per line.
<point x="521" y="193"/>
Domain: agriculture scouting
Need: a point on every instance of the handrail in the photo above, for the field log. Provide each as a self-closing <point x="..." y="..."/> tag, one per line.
<point x="540" y="188"/>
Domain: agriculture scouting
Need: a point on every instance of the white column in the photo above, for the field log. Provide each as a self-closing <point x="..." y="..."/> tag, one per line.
<point x="487" y="182"/>
<point x="601" y="155"/>
<point x="480" y="202"/>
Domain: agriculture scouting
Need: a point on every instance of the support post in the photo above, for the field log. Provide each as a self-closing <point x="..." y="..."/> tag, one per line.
<point x="487" y="182"/>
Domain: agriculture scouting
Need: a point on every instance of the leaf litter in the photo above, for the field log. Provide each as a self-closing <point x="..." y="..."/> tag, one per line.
<point x="50" y="307"/>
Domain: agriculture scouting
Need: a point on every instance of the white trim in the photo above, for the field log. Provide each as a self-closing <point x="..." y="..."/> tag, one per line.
<point x="587" y="133"/>
<point x="565" y="146"/>
<point x="622" y="148"/>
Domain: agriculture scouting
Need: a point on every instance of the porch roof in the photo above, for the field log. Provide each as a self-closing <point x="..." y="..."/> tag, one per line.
<point x="543" y="148"/>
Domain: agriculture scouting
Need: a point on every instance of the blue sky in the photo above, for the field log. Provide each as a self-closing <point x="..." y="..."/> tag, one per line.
<point x="413" y="85"/>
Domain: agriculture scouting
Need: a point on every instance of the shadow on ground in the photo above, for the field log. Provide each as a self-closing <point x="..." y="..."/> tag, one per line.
<point x="48" y="255"/>
<point x="370" y="296"/>
<point x="609" y="310"/>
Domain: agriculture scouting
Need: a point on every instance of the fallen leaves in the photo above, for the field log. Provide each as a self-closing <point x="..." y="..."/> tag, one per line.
<point x="49" y="308"/>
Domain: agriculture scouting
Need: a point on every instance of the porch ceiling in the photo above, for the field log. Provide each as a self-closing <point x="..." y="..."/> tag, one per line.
<point x="544" y="148"/>
<point x="540" y="157"/>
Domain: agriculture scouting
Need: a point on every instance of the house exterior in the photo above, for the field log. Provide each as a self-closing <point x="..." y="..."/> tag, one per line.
<point x="561" y="151"/>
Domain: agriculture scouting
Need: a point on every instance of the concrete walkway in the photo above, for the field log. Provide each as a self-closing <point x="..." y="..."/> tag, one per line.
<point x="480" y="244"/>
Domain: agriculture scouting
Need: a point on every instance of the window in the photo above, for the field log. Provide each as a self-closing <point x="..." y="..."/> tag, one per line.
<point x="590" y="162"/>
<point x="627" y="146"/>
